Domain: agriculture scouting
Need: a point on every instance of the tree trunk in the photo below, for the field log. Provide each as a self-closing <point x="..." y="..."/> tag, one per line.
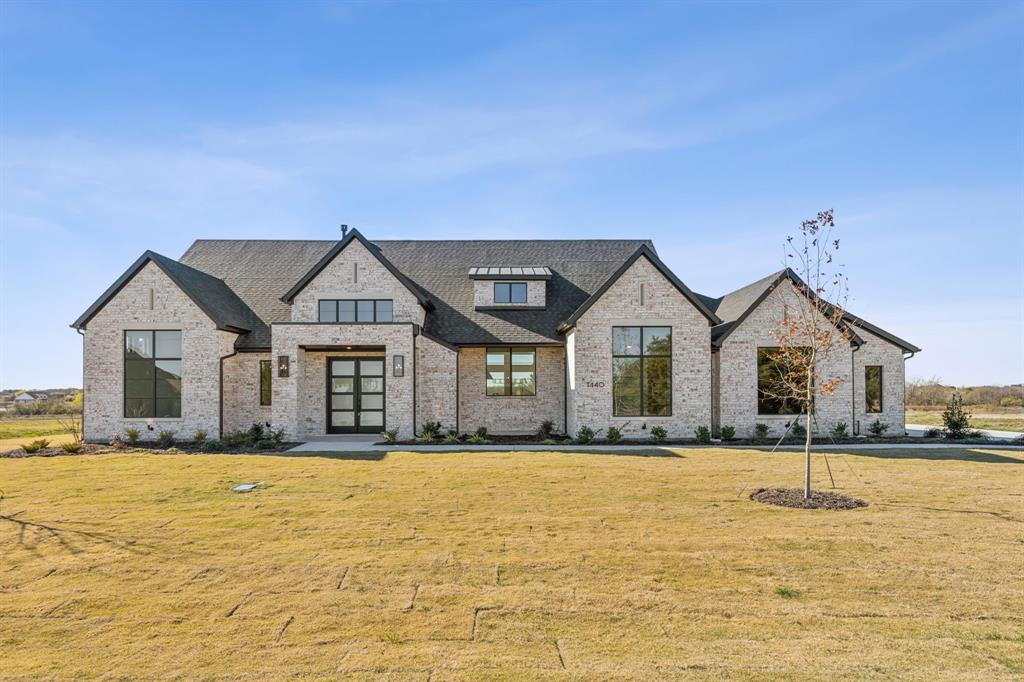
<point x="807" y="459"/>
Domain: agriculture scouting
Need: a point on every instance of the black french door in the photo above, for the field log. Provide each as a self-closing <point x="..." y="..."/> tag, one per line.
<point x="355" y="395"/>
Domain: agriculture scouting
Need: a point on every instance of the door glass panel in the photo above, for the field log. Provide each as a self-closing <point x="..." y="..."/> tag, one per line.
<point x="372" y="385"/>
<point x="343" y="368"/>
<point x="343" y="418"/>
<point x="342" y="402"/>
<point x="343" y="385"/>
<point x="371" y="418"/>
<point x="373" y="368"/>
<point x="371" y="401"/>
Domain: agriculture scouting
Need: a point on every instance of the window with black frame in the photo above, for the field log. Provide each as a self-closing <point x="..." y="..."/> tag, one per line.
<point x="356" y="310"/>
<point x="509" y="292"/>
<point x="873" y="389"/>
<point x="641" y="371"/>
<point x="511" y="372"/>
<point x="266" y="388"/>
<point x="152" y="373"/>
<point x="777" y="382"/>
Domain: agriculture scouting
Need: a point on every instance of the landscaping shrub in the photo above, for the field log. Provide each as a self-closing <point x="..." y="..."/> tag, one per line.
<point x="255" y="433"/>
<point x="798" y="430"/>
<point x="132" y="436"/>
<point x="760" y="431"/>
<point x="933" y="433"/>
<point x="840" y="430"/>
<point x="548" y="441"/>
<point x="956" y="419"/>
<point x="728" y="432"/>
<point x="389" y="436"/>
<point x="430" y="430"/>
<point x="277" y="436"/>
<point x="452" y="438"/>
<point x="877" y="428"/>
<point x="117" y="443"/>
<point x="165" y="439"/>
<point x="585" y="434"/>
<point x="237" y="439"/>
<point x="547" y="427"/>
<point x="477" y="438"/>
<point x="265" y="444"/>
<point x="482" y="432"/>
<point x="35" y="446"/>
<point x="703" y="434"/>
<point x="199" y="436"/>
<point x="614" y="434"/>
<point x="211" y="446"/>
<point x="71" y="448"/>
<point x="658" y="434"/>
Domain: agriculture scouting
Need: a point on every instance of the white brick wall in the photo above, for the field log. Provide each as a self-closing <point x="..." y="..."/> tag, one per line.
<point x="511" y="414"/>
<point x="436" y="380"/>
<point x="242" y="392"/>
<point x="591" y="385"/>
<point x="202" y="347"/>
<point x="878" y="351"/>
<point x="353" y="274"/>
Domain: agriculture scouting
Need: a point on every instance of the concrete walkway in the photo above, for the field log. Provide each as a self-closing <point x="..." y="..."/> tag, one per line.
<point x="918" y="430"/>
<point x="365" y="444"/>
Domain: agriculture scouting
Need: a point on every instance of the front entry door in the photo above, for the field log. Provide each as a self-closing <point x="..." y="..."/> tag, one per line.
<point x="355" y="395"/>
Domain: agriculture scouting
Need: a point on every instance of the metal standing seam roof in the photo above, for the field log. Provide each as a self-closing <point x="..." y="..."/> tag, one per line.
<point x="510" y="272"/>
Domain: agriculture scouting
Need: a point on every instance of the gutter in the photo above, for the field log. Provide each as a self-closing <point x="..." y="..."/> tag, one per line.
<point x="853" y="392"/>
<point x="220" y="417"/>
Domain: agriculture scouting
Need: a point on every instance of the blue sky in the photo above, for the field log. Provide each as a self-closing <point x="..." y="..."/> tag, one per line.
<point x="711" y="128"/>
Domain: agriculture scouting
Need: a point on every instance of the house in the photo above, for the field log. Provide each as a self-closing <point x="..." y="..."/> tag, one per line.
<point x="25" y="398"/>
<point x="354" y="336"/>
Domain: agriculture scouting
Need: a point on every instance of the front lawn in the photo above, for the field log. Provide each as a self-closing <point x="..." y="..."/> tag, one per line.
<point x="522" y="565"/>
<point x="1002" y="420"/>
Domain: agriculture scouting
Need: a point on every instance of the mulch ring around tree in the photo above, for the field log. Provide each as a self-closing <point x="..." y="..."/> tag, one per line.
<point x="794" y="497"/>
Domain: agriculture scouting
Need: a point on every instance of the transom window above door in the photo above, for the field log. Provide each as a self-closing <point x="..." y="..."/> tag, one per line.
<point x="509" y="292"/>
<point x="357" y="310"/>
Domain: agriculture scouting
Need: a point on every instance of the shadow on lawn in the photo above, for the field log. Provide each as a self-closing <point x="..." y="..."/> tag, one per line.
<point x="965" y="455"/>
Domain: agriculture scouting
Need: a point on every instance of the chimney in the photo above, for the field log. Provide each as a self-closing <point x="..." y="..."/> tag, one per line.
<point x="344" y="231"/>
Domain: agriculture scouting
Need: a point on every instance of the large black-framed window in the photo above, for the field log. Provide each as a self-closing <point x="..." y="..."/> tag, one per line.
<point x="641" y="371"/>
<point x="152" y="373"/>
<point x="509" y="292"/>
<point x="873" y="389"/>
<point x="357" y="310"/>
<point x="266" y="372"/>
<point x="511" y="371"/>
<point x="771" y="385"/>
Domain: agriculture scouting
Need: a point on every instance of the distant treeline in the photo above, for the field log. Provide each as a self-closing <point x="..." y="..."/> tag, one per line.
<point x="932" y="392"/>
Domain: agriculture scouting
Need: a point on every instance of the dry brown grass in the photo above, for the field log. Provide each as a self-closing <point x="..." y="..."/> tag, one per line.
<point x="521" y="565"/>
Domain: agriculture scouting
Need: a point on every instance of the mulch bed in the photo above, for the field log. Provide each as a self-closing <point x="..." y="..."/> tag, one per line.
<point x="86" y="449"/>
<point x="794" y="497"/>
<point x="179" y="448"/>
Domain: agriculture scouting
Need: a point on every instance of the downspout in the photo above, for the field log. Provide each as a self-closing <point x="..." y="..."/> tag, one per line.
<point x="415" y="333"/>
<point x="565" y="388"/>
<point x="220" y="416"/>
<point x="905" y="358"/>
<point x="83" y="382"/>
<point x="458" y="356"/>
<point x="853" y="393"/>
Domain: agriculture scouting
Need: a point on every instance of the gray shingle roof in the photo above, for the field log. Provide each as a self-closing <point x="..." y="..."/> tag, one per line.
<point x="212" y="295"/>
<point x="261" y="271"/>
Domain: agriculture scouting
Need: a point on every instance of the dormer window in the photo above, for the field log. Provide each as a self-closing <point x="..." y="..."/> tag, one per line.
<point x="509" y="292"/>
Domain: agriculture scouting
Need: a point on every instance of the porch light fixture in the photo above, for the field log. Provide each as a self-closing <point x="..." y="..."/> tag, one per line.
<point x="399" y="365"/>
<point x="282" y="365"/>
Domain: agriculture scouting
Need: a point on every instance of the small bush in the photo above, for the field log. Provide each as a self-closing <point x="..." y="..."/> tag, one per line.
<point x="760" y="431"/>
<point x="132" y="436"/>
<point x="117" y="443"/>
<point x="255" y="433"/>
<point x="451" y="438"/>
<point x="199" y="436"/>
<point x="35" y="446"/>
<point x="659" y="434"/>
<point x="956" y="419"/>
<point x="567" y="441"/>
<point x="482" y="432"/>
<point x="585" y="434"/>
<point x="933" y="433"/>
<point x="165" y="439"/>
<point x="548" y="441"/>
<point x="877" y="428"/>
<point x="840" y="430"/>
<point x="614" y="434"/>
<point x="237" y="439"/>
<point x="1011" y="401"/>
<point x="547" y="427"/>
<point x="71" y="448"/>
<point x="477" y="439"/>
<point x="728" y="433"/>
<point x="430" y="430"/>
<point x="703" y="434"/>
<point x="277" y="436"/>
<point x="787" y="592"/>
<point x="211" y="446"/>
<point x="798" y="430"/>
<point x="265" y="444"/>
<point x="389" y="437"/>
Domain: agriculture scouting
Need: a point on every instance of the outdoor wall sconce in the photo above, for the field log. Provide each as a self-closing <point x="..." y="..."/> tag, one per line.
<point x="399" y="365"/>
<point x="282" y="365"/>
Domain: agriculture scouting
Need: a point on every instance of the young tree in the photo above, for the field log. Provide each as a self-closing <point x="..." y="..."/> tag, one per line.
<point x="813" y="330"/>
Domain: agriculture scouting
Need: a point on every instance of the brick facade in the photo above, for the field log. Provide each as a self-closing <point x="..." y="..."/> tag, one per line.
<point x="536" y="293"/>
<point x="511" y="414"/>
<point x="242" y="406"/>
<point x="436" y="383"/>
